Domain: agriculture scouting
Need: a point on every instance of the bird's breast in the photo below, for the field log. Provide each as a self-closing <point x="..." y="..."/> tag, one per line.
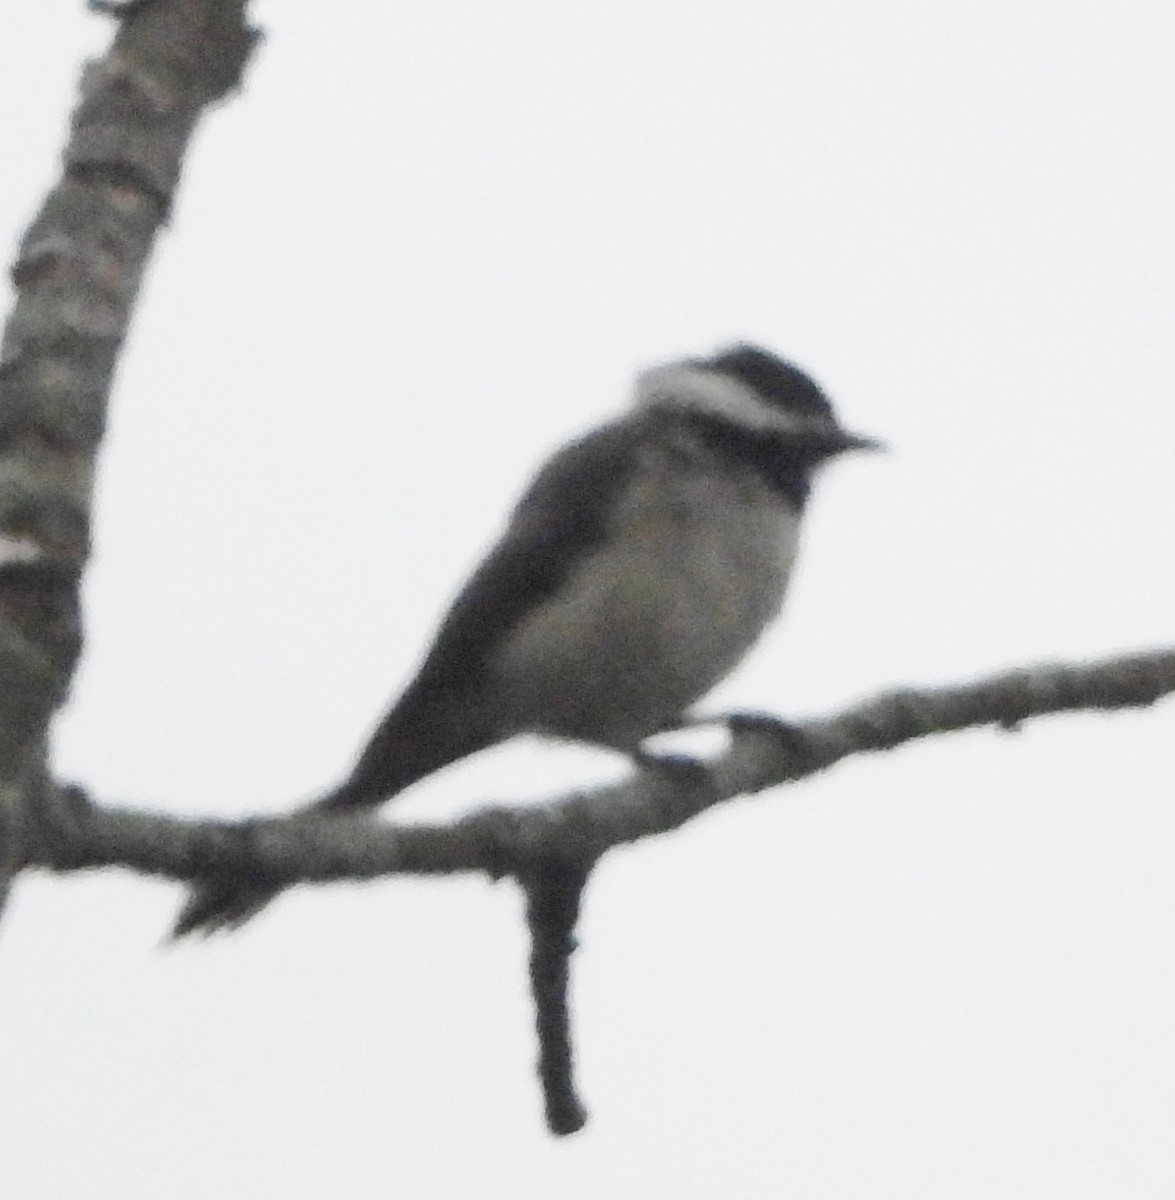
<point x="695" y="564"/>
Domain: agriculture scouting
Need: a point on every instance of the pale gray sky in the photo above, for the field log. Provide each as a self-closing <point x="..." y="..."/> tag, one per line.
<point x="430" y="241"/>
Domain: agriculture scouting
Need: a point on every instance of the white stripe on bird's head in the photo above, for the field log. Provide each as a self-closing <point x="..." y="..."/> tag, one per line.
<point x="689" y="386"/>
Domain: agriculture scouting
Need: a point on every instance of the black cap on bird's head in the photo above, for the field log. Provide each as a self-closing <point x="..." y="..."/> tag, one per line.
<point x="772" y="378"/>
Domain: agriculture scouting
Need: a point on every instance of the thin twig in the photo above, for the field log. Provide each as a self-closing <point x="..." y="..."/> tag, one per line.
<point x="553" y="891"/>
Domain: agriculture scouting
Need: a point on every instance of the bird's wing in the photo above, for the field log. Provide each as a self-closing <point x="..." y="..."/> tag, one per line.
<point x="561" y="517"/>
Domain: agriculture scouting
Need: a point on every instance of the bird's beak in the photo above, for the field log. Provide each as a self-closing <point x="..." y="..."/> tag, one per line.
<point x="855" y="441"/>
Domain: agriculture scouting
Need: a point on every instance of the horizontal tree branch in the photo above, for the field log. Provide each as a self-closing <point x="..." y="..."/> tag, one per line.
<point x="502" y="840"/>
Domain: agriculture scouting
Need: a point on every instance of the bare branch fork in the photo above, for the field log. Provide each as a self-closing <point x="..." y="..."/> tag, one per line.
<point x="77" y="275"/>
<point x="551" y="850"/>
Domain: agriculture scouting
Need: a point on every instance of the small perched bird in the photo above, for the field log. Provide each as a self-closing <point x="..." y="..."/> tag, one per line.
<point x="637" y="570"/>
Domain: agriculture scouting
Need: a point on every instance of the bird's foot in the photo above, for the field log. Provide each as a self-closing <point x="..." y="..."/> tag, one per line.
<point x="680" y="769"/>
<point x="795" y="742"/>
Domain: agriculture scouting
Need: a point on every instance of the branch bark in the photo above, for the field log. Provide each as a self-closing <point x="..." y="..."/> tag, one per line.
<point x="77" y="273"/>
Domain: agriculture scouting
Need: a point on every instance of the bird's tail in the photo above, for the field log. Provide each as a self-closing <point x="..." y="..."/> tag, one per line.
<point x="415" y="739"/>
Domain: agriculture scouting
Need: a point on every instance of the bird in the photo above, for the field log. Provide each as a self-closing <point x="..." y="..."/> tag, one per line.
<point x="637" y="570"/>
